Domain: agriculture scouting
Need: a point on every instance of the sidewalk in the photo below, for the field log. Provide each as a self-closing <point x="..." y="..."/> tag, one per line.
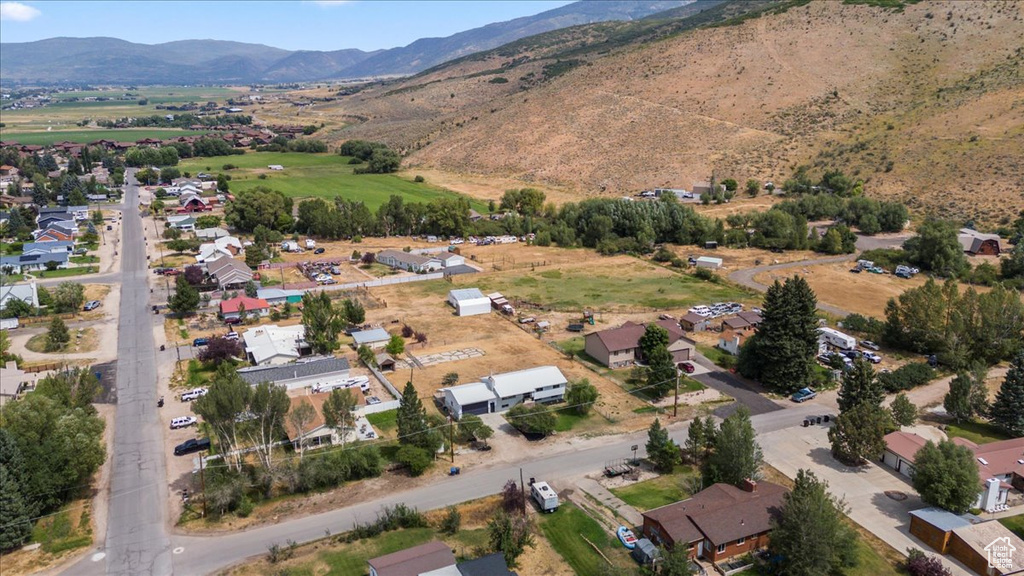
<point x="592" y="487"/>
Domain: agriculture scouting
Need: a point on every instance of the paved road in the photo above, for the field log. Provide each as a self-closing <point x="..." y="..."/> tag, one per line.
<point x="746" y="277"/>
<point x="206" y="554"/>
<point x="731" y="385"/>
<point x="136" y="540"/>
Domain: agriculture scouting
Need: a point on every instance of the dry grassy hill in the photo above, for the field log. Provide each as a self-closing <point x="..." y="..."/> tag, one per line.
<point x="924" y="103"/>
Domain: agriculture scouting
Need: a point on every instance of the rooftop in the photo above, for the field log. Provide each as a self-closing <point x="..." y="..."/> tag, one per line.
<point x="525" y="381"/>
<point x="464" y="294"/>
<point x="721" y="513"/>
<point x="627" y="336"/>
<point x="266" y="342"/>
<point x="986" y="535"/>
<point x="473" y="393"/>
<point x="414" y="561"/>
<point x="300" y="369"/>
<point x="370" y="336"/>
<point x="942" y="519"/>
<point x="233" y="305"/>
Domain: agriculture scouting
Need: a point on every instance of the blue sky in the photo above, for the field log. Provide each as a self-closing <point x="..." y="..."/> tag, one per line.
<point x="293" y="25"/>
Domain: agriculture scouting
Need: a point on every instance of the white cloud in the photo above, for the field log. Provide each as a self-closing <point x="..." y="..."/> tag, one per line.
<point x="17" y="12"/>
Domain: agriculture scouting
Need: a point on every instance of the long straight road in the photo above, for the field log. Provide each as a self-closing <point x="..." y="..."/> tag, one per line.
<point x="207" y="554"/>
<point x="137" y="542"/>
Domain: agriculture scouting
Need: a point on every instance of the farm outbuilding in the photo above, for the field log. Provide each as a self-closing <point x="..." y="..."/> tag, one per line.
<point x="469" y="302"/>
<point x="709" y="262"/>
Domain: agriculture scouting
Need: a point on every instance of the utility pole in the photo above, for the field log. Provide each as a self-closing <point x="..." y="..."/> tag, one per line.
<point x="202" y="482"/>
<point x="675" y="404"/>
<point x="451" y="436"/>
<point x="522" y="491"/>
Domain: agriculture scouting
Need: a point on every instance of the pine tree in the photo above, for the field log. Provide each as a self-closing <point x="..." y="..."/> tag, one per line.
<point x="809" y="536"/>
<point x="904" y="413"/>
<point x="958" y="400"/>
<point x="412" y="421"/>
<point x="57" y="336"/>
<point x="737" y="455"/>
<point x="859" y="434"/>
<point x="185" y="299"/>
<point x="16" y="527"/>
<point x="661" y="372"/>
<point x="696" y="441"/>
<point x="859" y="386"/>
<point x="661" y="450"/>
<point x="789" y="336"/>
<point x="1008" y="409"/>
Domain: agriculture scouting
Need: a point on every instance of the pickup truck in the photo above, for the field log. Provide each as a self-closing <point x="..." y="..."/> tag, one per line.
<point x="802" y="395"/>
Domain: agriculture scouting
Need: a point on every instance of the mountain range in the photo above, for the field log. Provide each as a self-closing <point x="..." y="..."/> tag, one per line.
<point x="114" y="61"/>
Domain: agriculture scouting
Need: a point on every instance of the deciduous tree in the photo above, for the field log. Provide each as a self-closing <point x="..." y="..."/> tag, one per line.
<point x="322" y="321"/>
<point x="338" y="410"/>
<point x="581" y="396"/>
<point x="532" y="419"/>
<point x="946" y="475"/>
<point x="510" y="534"/>
<point x="300" y="416"/>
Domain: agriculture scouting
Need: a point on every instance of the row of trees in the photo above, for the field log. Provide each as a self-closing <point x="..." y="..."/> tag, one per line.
<point x="958" y="327"/>
<point x="51" y="443"/>
<point x="140" y="156"/>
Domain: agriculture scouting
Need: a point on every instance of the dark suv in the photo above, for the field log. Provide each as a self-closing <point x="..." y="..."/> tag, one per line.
<point x="192" y="445"/>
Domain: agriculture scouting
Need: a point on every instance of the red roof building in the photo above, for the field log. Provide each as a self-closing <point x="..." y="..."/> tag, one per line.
<point x="231" y="308"/>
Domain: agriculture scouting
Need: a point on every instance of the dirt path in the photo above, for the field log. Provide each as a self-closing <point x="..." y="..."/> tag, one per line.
<point x="746" y="277"/>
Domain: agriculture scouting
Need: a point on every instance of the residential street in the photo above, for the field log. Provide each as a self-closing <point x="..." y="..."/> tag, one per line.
<point x="136" y="541"/>
<point x="203" y="555"/>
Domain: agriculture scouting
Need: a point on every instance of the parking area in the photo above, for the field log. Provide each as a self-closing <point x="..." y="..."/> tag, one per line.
<point x="872" y="493"/>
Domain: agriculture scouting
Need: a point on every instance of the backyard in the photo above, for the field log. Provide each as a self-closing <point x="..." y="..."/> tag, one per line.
<point x="566" y="530"/>
<point x="659" y="491"/>
<point x="977" y="432"/>
<point x="316" y="175"/>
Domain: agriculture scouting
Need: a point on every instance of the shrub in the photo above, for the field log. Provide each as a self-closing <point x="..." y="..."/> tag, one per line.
<point x="906" y="377"/>
<point x="418" y="179"/>
<point x="705" y="274"/>
<point x="866" y="324"/>
<point x="920" y="564"/>
<point x="416" y="458"/>
<point x="407" y="331"/>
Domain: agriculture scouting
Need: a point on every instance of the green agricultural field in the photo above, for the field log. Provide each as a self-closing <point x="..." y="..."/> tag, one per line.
<point x="86" y="136"/>
<point x="316" y="175"/>
<point x="610" y="284"/>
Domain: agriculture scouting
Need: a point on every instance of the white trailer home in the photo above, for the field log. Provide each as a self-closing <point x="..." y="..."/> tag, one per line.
<point x="546" y="498"/>
<point x="837" y="338"/>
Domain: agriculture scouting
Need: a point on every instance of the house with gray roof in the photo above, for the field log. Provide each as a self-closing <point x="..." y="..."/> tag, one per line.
<point x="320" y="371"/>
<point x="500" y="392"/>
<point x="372" y="339"/>
<point x="27" y="293"/>
<point x="32" y="262"/>
<point x="48" y="247"/>
<point x="408" y="261"/>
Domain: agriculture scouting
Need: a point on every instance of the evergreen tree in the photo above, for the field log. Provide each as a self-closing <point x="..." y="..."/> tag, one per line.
<point x="57" y="336"/>
<point x="858" y="434"/>
<point x="1008" y="409"/>
<point x="788" y="335"/>
<point x="413" y="428"/>
<point x="860" y="386"/>
<point x="696" y="441"/>
<point x="322" y="321"/>
<point x="958" y="400"/>
<point x="737" y="455"/>
<point x="16" y="526"/>
<point x="946" y="475"/>
<point x="661" y="450"/>
<point x="185" y="299"/>
<point x="809" y="536"/>
<point x="661" y="372"/>
<point x="904" y="413"/>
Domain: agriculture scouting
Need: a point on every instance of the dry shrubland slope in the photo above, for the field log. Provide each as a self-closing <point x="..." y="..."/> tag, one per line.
<point x="924" y="103"/>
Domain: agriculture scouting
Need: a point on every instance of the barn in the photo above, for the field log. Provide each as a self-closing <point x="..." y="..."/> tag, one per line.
<point x="469" y="302"/>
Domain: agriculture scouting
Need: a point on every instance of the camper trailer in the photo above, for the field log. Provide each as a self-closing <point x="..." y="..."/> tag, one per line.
<point x="546" y="498"/>
<point x="837" y="338"/>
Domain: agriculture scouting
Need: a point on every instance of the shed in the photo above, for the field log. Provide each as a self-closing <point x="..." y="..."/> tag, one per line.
<point x="469" y="302"/>
<point x="375" y="338"/>
<point x="385" y="362"/>
<point x="709" y="262"/>
<point x="934" y="526"/>
<point x="694" y="322"/>
<point x="645" y="553"/>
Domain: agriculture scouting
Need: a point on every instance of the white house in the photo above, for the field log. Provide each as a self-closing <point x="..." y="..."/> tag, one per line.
<point x="500" y="392"/>
<point x="183" y="222"/>
<point x="469" y="302"/>
<point x="211" y="233"/>
<point x="304" y="373"/>
<point x="227" y="245"/>
<point x="58" y="247"/>
<point x="731" y="341"/>
<point x="272" y="344"/>
<point x="408" y="261"/>
<point x="27" y="293"/>
<point x="30" y="262"/>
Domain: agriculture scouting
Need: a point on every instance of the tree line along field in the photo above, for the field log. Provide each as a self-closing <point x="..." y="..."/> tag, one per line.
<point x="85" y="136"/>
<point x="316" y="175"/>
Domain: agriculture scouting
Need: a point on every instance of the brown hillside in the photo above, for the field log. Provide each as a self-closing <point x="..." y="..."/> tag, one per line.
<point x="926" y="104"/>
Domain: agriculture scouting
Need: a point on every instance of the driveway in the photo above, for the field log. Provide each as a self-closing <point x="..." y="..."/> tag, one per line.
<point x="863" y="488"/>
<point x="745" y="393"/>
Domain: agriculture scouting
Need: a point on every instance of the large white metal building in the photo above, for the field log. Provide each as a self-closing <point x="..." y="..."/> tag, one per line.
<point x="469" y="302"/>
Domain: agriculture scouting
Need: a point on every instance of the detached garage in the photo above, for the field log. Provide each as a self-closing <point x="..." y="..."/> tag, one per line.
<point x="469" y="302"/>
<point x="900" y="448"/>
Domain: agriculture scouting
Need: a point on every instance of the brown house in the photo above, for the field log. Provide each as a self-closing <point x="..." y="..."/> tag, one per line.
<point x="694" y="322"/>
<point x="719" y="522"/>
<point x="620" y="347"/>
<point x="985" y="547"/>
<point x="744" y="321"/>
<point x="975" y="243"/>
<point x="413" y="561"/>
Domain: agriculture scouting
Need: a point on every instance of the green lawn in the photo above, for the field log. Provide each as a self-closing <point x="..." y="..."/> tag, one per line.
<point x="566" y="419"/>
<point x="88" y="259"/>
<point x="717" y="355"/>
<point x="870" y="562"/>
<point x="64" y="272"/>
<point x="565" y="530"/>
<point x="1014" y="523"/>
<point x="12" y="278"/>
<point x="598" y="287"/>
<point x="316" y="175"/>
<point x="659" y="491"/>
<point x="977" y="432"/>
<point x="384" y="421"/>
<point x="85" y="136"/>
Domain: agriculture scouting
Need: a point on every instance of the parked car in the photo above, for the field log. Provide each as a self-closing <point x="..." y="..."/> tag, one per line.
<point x="869" y="345"/>
<point x="853" y="354"/>
<point x="319" y="251"/>
<point x="233" y="320"/>
<point x="855" y="270"/>
<point x="803" y="394"/>
<point x="200" y="341"/>
<point x="172" y="272"/>
<point x="82" y="250"/>
<point x="872" y="357"/>
<point x="192" y="445"/>
<point x="193" y="394"/>
<point x="686" y="367"/>
<point x="91" y="305"/>
<point x="182" y="422"/>
<point x="371" y="400"/>
<point x="231" y="335"/>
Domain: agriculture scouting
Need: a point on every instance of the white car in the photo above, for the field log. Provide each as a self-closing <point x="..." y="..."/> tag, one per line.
<point x="872" y="357"/>
<point x="193" y="394"/>
<point x="182" y="422"/>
